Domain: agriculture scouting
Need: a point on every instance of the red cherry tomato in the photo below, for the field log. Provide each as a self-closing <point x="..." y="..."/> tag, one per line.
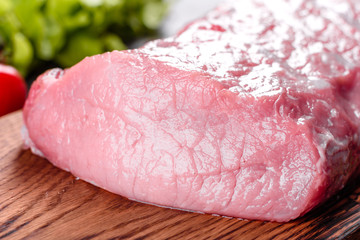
<point x="12" y="90"/>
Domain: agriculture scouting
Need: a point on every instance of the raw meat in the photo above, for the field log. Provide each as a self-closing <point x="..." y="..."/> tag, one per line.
<point x="251" y="112"/>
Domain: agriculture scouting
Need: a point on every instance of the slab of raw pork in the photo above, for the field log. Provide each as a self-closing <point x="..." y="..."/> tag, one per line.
<point x="251" y="112"/>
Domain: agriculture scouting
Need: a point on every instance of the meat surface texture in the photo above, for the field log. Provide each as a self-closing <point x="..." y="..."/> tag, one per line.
<point x="252" y="112"/>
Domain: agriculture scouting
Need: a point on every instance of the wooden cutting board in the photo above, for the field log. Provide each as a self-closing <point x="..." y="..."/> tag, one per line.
<point x="40" y="201"/>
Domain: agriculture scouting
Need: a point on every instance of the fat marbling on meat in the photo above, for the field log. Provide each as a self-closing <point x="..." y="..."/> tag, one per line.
<point x="252" y="111"/>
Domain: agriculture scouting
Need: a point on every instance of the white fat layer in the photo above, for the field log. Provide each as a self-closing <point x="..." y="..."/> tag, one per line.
<point x="28" y="143"/>
<point x="52" y="76"/>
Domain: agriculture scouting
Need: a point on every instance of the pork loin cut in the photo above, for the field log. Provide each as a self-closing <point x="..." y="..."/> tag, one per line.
<point x="251" y="112"/>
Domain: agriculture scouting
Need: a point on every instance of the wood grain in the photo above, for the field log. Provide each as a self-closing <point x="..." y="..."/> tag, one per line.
<point x="40" y="201"/>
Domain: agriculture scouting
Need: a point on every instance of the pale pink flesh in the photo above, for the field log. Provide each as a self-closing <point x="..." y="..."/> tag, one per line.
<point x="251" y="112"/>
